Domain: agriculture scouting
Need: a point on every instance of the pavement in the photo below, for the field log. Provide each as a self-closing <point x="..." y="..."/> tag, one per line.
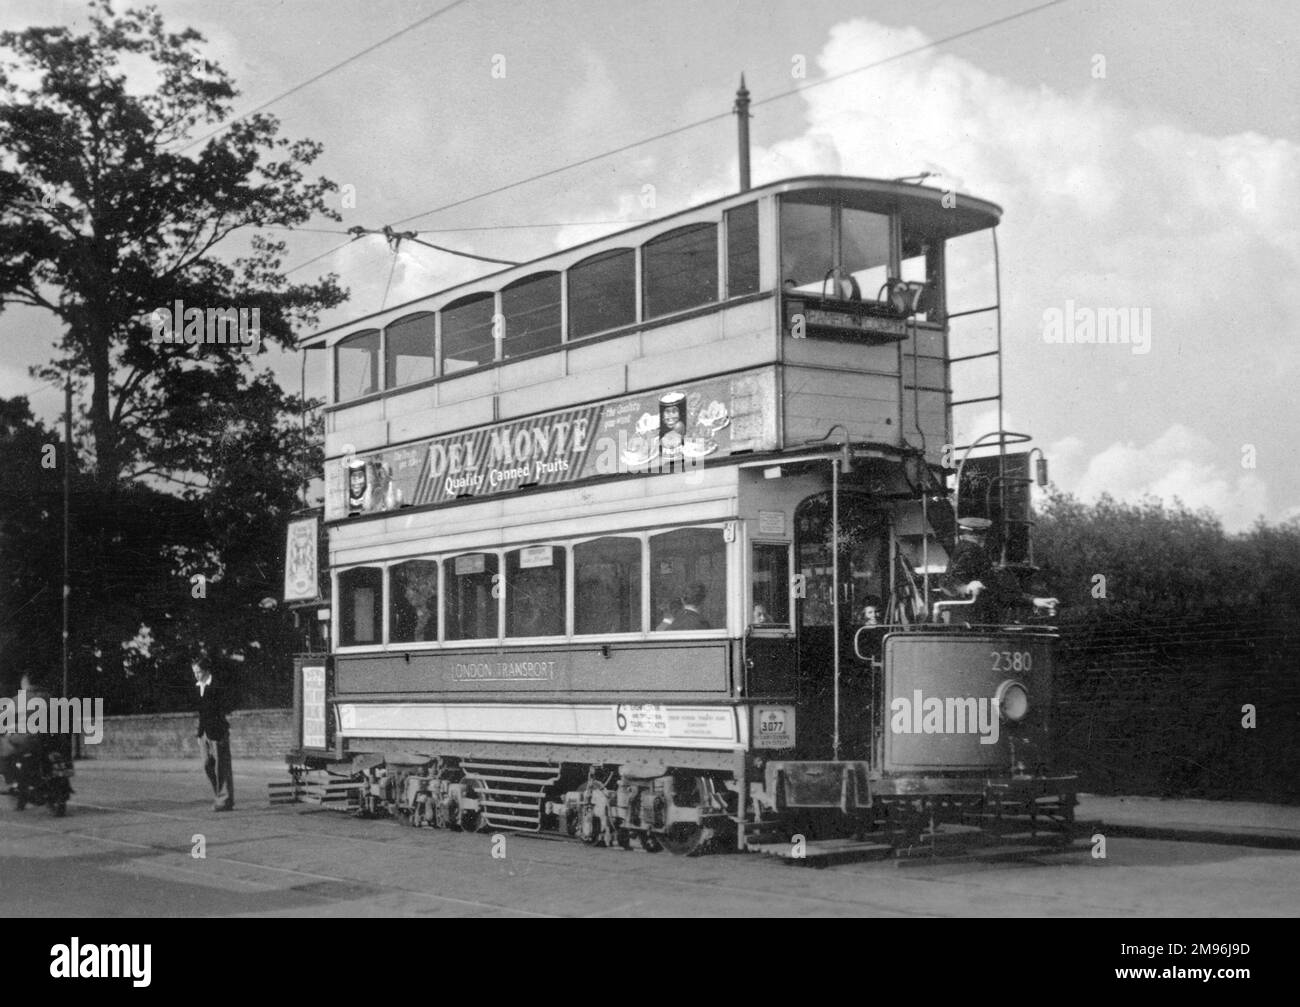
<point x="1237" y="823"/>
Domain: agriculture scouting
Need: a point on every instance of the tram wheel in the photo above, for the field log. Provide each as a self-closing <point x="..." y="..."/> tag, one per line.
<point x="685" y="839"/>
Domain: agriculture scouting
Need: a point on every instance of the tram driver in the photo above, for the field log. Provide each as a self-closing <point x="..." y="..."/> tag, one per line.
<point x="972" y="575"/>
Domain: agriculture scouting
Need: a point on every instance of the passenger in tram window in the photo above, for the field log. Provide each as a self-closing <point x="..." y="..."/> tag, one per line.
<point x="760" y="615"/>
<point x="423" y="604"/>
<point x="670" y="617"/>
<point x="691" y="602"/>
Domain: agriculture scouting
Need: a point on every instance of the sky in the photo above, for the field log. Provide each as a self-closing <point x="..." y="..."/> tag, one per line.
<point x="1146" y="154"/>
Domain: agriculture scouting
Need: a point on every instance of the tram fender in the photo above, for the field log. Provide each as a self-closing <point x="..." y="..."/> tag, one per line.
<point x="844" y="785"/>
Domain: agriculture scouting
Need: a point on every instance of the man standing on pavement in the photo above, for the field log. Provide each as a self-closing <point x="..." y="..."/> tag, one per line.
<point x="214" y="733"/>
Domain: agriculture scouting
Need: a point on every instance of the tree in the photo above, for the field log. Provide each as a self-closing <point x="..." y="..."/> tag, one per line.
<point x="104" y="218"/>
<point x="106" y="214"/>
<point x="30" y="558"/>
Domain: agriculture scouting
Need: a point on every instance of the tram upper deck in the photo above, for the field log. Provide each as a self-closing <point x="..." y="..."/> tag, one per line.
<point x="791" y="286"/>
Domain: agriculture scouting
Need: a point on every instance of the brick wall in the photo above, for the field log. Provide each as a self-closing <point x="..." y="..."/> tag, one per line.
<point x="254" y="734"/>
<point x="1159" y="707"/>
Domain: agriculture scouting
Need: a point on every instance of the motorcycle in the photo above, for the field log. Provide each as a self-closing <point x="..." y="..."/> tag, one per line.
<point x="42" y="778"/>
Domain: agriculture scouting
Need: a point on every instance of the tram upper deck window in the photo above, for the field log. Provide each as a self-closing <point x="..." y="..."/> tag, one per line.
<point x="680" y="269"/>
<point x="807" y="252"/>
<point x="535" y="591"/>
<point x="356" y="365"/>
<point x="688" y="579"/>
<point x="531" y="307"/>
<point x="864" y="250"/>
<point x="410" y="350"/>
<point x="413" y="601"/>
<point x="811" y="257"/>
<point x="607" y="591"/>
<point x="467" y="333"/>
<point x="471" y="589"/>
<point x="742" y="250"/>
<point x="360" y="591"/>
<point x="602" y="292"/>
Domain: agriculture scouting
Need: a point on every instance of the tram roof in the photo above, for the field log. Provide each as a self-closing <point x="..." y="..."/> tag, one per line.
<point x="921" y="207"/>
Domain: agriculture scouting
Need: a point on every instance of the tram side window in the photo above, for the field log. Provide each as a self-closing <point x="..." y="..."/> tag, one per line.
<point x="360" y="616"/>
<point x="413" y="601"/>
<point x="356" y="366"/>
<point x="807" y="255"/>
<point x="812" y="521"/>
<point x="470" y="606"/>
<point x="770" y="583"/>
<point x="688" y="579"/>
<point x="607" y="586"/>
<point x="680" y="269"/>
<point x="535" y="591"/>
<point x="602" y="292"/>
<point x="467" y="334"/>
<point x="864" y="250"/>
<point x="532" y="314"/>
<point x="410" y="350"/>
<point x="742" y="250"/>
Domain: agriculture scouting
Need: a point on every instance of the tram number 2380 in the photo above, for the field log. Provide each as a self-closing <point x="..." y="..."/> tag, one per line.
<point x="1012" y="660"/>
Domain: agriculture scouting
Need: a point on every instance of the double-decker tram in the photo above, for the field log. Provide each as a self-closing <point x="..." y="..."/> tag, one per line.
<point x="648" y="541"/>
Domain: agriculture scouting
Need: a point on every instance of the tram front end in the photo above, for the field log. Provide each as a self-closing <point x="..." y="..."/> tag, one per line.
<point x="956" y="733"/>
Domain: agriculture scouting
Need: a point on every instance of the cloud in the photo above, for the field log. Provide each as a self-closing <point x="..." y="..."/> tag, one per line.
<point x="1180" y="464"/>
<point x="1107" y="209"/>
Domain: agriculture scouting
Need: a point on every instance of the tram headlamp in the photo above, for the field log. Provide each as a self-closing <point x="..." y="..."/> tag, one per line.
<point x="1012" y="699"/>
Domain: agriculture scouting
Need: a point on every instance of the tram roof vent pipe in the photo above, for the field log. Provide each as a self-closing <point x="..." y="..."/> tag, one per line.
<point x="741" y="108"/>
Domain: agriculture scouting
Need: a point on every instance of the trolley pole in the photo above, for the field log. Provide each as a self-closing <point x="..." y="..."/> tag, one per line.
<point x="835" y="590"/>
<point x="67" y="496"/>
<point x="742" y="132"/>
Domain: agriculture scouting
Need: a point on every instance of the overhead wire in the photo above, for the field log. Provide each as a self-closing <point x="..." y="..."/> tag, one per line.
<point x="914" y="50"/>
<point x="324" y="73"/>
<point x="726" y="115"/>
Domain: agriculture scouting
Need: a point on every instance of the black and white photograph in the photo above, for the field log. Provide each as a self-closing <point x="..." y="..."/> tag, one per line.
<point x="651" y="459"/>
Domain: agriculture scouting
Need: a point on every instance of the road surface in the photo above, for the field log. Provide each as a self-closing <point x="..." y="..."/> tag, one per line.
<point x="145" y="842"/>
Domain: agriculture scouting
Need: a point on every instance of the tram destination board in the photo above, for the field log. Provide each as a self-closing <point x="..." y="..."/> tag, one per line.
<point x="843" y="319"/>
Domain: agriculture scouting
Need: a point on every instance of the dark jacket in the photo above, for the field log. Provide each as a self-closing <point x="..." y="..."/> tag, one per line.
<point x="213" y="706"/>
<point x="969" y="562"/>
<point x="686" y="619"/>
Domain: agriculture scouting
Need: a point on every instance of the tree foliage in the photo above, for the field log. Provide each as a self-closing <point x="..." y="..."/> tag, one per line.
<point x="189" y="458"/>
<point x="105" y="217"/>
<point x="1158" y="559"/>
